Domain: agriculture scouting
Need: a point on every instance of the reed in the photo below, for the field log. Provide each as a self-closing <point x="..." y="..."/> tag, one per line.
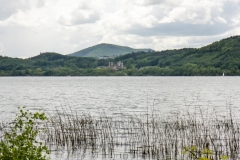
<point x="142" y="137"/>
<point x="148" y="136"/>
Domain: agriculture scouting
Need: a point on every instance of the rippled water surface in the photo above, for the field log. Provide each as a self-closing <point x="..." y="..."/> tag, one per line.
<point x="118" y="95"/>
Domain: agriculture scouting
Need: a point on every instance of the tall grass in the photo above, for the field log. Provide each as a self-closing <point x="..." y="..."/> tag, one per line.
<point x="144" y="136"/>
<point x="147" y="136"/>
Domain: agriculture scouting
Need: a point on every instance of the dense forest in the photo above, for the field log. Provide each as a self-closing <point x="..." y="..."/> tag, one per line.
<point x="211" y="60"/>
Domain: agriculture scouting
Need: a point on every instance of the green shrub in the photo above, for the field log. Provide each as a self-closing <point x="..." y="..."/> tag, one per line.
<point x="20" y="142"/>
<point x="205" y="153"/>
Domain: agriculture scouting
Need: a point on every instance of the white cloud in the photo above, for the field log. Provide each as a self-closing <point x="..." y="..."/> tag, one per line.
<point x="28" y="27"/>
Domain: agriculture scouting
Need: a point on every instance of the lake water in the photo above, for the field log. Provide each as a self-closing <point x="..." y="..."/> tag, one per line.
<point x="118" y="95"/>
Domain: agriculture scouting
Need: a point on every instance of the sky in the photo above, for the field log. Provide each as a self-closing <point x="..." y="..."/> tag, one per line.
<point x="29" y="27"/>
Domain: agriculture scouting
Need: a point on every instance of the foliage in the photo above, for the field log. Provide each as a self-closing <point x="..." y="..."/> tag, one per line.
<point x="205" y="153"/>
<point x="211" y="60"/>
<point x="20" y="143"/>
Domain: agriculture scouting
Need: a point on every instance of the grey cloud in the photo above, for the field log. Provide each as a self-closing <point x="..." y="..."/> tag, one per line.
<point x="5" y="14"/>
<point x="84" y="5"/>
<point x="81" y="19"/>
<point x="10" y="7"/>
<point x="231" y="9"/>
<point x="180" y="29"/>
<point x="40" y="3"/>
<point x="152" y="2"/>
<point x="1" y="47"/>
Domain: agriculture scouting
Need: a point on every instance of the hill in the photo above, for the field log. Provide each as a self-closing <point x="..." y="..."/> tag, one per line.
<point x="106" y="50"/>
<point x="211" y="60"/>
<point x="46" y="64"/>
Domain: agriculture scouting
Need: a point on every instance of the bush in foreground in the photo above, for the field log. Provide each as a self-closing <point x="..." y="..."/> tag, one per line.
<point x="20" y="142"/>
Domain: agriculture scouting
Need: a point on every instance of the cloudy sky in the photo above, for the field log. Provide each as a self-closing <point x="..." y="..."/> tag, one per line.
<point x="28" y="27"/>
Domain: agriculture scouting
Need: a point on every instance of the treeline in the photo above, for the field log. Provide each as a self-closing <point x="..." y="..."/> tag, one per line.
<point x="214" y="59"/>
<point x="211" y="60"/>
<point x="53" y="64"/>
<point x="46" y="64"/>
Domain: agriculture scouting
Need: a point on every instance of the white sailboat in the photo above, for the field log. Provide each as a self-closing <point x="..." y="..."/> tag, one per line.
<point x="223" y="74"/>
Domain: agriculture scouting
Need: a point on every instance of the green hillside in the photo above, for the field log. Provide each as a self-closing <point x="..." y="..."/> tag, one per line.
<point x="214" y="59"/>
<point x="106" y="50"/>
<point x="46" y="64"/>
<point x="211" y="60"/>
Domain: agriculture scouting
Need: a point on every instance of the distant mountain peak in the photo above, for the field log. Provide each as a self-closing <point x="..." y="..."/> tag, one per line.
<point x="106" y="50"/>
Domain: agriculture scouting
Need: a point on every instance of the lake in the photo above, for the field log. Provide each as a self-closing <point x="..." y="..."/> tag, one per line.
<point x="121" y="96"/>
<point x="118" y="95"/>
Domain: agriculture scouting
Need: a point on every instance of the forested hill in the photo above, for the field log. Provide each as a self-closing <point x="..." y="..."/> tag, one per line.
<point x="106" y="50"/>
<point x="211" y="60"/>
<point x="214" y="59"/>
<point x="46" y="64"/>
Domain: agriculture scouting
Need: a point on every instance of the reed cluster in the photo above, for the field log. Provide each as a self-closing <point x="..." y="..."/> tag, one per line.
<point x="142" y="137"/>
